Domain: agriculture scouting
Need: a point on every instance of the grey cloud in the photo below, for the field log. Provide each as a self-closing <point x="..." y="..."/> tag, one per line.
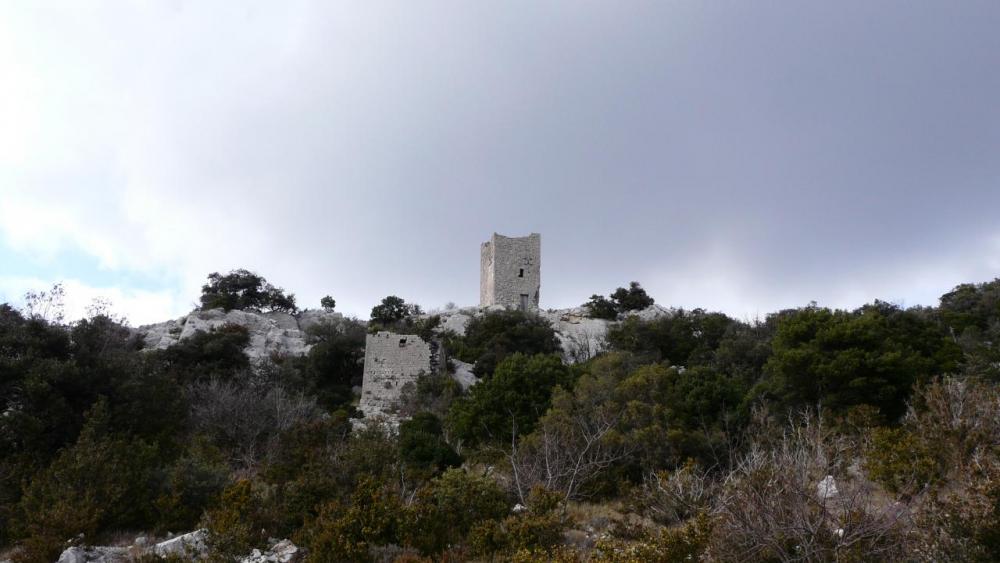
<point x="742" y="156"/>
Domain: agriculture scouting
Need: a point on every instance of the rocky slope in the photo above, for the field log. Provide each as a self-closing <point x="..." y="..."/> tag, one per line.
<point x="270" y="333"/>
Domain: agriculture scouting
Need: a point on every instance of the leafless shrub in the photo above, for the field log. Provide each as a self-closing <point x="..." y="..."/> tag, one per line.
<point x="959" y="420"/>
<point x="565" y="451"/>
<point x="957" y="417"/>
<point x="46" y="305"/>
<point x="669" y="497"/>
<point x="582" y="346"/>
<point x="244" y="419"/>
<point x="778" y="503"/>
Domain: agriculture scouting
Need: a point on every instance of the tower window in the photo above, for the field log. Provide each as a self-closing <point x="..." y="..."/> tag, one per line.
<point x="520" y="273"/>
<point x="402" y="342"/>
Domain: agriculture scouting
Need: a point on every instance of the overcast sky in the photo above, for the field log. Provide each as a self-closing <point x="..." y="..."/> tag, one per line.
<point x="737" y="156"/>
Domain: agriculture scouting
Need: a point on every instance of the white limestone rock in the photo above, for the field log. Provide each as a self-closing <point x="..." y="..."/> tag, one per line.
<point x="827" y="488"/>
<point x="455" y="322"/>
<point x="270" y="333"/>
<point x="94" y="554"/>
<point x="651" y="313"/>
<point x="187" y="545"/>
<point x="463" y="374"/>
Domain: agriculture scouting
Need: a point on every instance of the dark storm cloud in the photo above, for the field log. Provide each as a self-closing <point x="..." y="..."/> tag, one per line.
<point x="746" y="156"/>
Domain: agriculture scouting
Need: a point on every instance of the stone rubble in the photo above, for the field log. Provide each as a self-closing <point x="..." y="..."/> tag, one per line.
<point x="282" y="552"/>
<point x="190" y="546"/>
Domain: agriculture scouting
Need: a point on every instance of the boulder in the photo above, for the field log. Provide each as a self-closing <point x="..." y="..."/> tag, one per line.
<point x="827" y="488"/>
<point x="190" y="544"/>
<point x="463" y="374"/>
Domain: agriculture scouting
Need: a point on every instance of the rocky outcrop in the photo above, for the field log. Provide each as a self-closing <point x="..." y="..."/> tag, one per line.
<point x="191" y="545"/>
<point x="270" y="333"/>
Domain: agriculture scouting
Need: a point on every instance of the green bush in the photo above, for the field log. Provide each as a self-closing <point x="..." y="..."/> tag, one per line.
<point x="422" y="446"/>
<point x="100" y="483"/>
<point x="393" y="309"/>
<point x="899" y="462"/>
<point x="192" y="484"/>
<point x="537" y="530"/>
<point x="348" y="533"/>
<point x="839" y="359"/>
<point x="336" y="361"/>
<point x="512" y="400"/>
<point x="242" y="520"/>
<point x="444" y="512"/>
<point x="491" y="337"/>
<point x="682" y="544"/>
<point x="600" y="307"/>
<point x="684" y="338"/>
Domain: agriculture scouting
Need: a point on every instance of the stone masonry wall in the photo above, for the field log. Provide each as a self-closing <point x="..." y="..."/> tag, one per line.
<point x="391" y="361"/>
<point x="510" y="267"/>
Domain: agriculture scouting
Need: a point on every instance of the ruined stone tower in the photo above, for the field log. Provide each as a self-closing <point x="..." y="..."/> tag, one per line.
<point x="391" y="361"/>
<point x="510" y="272"/>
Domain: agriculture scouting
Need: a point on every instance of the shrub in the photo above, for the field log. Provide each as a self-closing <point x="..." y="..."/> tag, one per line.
<point x="99" y="483"/>
<point x="632" y="299"/>
<point x="393" y="309"/>
<point x="217" y="353"/>
<point x="684" y="338"/>
<point x="348" y="533"/>
<point x="243" y="289"/>
<point x="900" y="462"/>
<point x="512" y="400"/>
<point x="491" y="337"/>
<point x="328" y="303"/>
<point x="444" y="512"/>
<point x="840" y="359"/>
<point x="192" y="484"/>
<point x="336" y="360"/>
<point x="775" y="504"/>
<point x="422" y="446"/>
<point x="672" y="497"/>
<point x="241" y="521"/>
<point x="532" y="533"/>
<point x="600" y="307"/>
<point x="682" y="544"/>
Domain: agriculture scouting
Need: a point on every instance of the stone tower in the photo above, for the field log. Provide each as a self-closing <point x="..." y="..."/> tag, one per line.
<point x="510" y="272"/>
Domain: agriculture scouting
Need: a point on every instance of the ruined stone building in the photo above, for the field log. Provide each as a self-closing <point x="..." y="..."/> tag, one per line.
<point x="391" y="361"/>
<point x="510" y="272"/>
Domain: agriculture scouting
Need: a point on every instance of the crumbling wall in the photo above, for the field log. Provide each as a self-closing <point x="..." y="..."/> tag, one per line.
<point x="509" y="268"/>
<point x="391" y="361"/>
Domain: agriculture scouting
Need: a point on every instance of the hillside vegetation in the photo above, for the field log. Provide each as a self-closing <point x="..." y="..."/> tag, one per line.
<point x="809" y="435"/>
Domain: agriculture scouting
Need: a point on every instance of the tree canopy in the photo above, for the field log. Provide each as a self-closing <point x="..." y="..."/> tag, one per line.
<point x="243" y="289"/>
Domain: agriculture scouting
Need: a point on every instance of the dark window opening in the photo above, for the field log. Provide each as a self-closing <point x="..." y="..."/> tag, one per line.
<point x="521" y="273"/>
<point x="402" y="342"/>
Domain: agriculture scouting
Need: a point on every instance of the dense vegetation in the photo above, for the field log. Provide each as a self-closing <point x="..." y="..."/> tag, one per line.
<point x="810" y="435"/>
